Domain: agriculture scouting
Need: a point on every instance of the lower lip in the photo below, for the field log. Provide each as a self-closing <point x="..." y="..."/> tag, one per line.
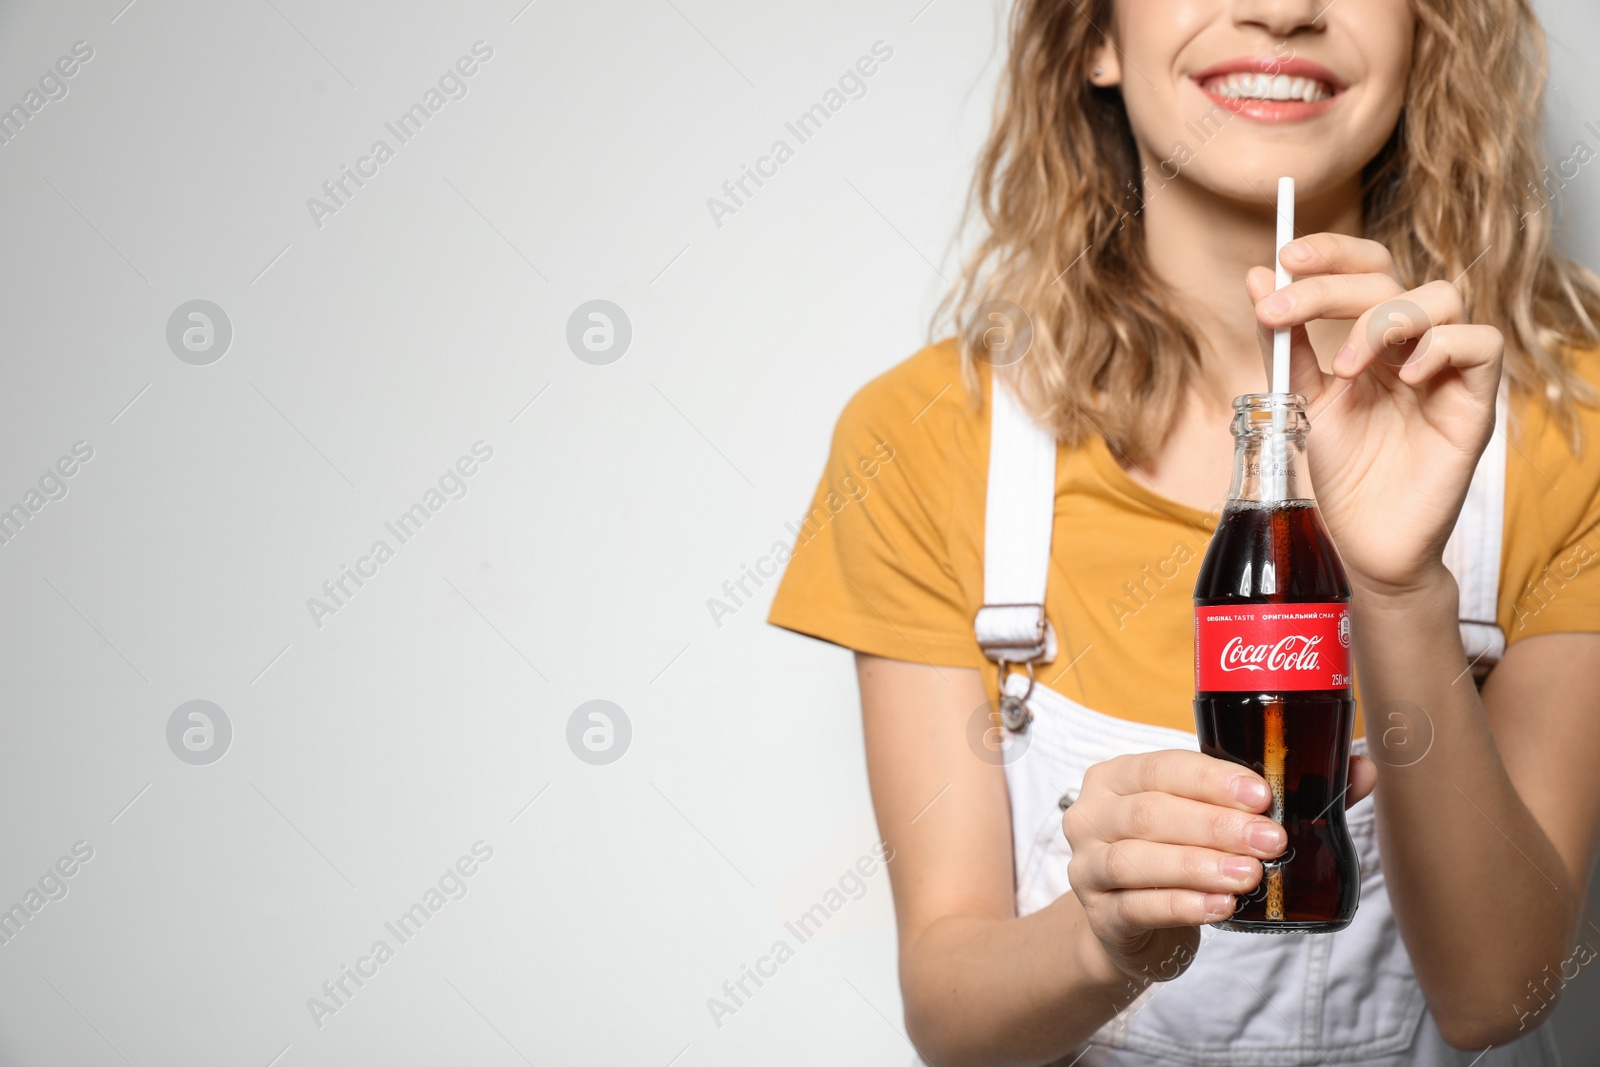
<point x="1271" y="110"/>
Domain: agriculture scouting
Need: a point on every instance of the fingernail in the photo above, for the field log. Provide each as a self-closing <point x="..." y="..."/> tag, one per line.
<point x="1266" y="836"/>
<point x="1345" y="358"/>
<point x="1218" y="906"/>
<point x="1238" y="868"/>
<point x="1252" y="792"/>
<point x="1297" y="250"/>
<point x="1279" y="303"/>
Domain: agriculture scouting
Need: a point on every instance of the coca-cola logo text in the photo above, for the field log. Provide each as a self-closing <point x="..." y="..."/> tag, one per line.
<point x="1260" y="647"/>
<point x="1295" y="652"/>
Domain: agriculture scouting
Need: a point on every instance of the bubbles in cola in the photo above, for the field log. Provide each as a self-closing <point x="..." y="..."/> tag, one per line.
<point x="1273" y="685"/>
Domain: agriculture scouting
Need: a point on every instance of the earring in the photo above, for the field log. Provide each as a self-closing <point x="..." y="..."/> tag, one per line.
<point x="1097" y="72"/>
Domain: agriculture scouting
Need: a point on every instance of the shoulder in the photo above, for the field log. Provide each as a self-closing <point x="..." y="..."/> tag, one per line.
<point x="1546" y="440"/>
<point x="1552" y="512"/>
<point x="887" y="559"/>
<point x="911" y="389"/>
<point x="914" y="438"/>
<point x="1553" y="467"/>
<point x="1586" y="362"/>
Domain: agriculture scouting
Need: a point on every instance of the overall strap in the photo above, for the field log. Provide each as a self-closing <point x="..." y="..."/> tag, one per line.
<point x="1473" y="552"/>
<point x="1018" y="521"/>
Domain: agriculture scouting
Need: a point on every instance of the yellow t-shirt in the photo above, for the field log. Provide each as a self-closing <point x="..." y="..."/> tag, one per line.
<point x="889" y="559"/>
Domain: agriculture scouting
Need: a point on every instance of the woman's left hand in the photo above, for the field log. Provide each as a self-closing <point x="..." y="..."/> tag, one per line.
<point x="1398" y="426"/>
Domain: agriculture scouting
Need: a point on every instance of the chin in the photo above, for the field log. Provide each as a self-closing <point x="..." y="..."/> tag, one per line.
<point x="1244" y="164"/>
<point x="1252" y="177"/>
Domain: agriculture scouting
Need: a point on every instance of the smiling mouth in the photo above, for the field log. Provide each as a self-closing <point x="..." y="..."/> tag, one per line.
<point x="1244" y="85"/>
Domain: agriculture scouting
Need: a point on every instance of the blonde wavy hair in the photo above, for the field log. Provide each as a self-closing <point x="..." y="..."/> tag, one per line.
<point x="1060" y="177"/>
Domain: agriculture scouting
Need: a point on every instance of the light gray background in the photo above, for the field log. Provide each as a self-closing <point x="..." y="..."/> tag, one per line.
<point x="367" y="355"/>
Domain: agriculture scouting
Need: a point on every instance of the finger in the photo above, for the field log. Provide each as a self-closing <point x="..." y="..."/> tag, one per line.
<point x="1326" y="296"/>
<point x="1172" y="820"/>
<point x="1305" y="373"/>
<point x="1363" y="777"/>
<point x="1475" y="351"/>
<point x="1183" y="774"/>
<point x="1153" y="865"/>
<point x="1160" y="909"/>
<point x="1336" y="253"/>
<point x="1259" y="282"/>
<point x="1391" y="329"/>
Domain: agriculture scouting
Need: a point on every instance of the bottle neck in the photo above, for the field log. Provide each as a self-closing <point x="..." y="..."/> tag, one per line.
<point x="1269" y="449"/>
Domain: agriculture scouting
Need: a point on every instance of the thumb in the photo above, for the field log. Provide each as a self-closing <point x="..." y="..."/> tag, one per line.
<point x="1363" y="778"/>
<point x="1305" y="374"/>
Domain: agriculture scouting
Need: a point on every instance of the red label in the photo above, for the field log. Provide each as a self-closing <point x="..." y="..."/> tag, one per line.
<point x="1268" y="648"/>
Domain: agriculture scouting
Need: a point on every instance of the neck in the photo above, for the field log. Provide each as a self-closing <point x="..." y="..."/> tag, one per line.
<point x="1201" y="244"/>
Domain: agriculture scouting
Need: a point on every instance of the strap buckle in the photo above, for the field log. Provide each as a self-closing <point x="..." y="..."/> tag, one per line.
<point x="1015" y="635"/>
<point x="1014" y="632"/>
<point x="1015" y="715"/>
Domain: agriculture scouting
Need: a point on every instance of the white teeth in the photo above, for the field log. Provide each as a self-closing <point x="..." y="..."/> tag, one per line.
<point x="1248" y="86"/>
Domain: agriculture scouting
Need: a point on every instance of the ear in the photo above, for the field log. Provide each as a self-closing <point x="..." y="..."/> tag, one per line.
<point x="1105" y="65"/>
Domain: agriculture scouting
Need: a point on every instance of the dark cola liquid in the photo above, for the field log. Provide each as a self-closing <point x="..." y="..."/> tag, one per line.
<point x="1281" y="554"/>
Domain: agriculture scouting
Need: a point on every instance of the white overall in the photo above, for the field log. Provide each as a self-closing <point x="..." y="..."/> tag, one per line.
<point x="1247" y="1000"/>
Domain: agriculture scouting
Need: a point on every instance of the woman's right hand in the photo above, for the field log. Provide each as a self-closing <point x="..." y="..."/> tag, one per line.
<point x="1161" y="842"/>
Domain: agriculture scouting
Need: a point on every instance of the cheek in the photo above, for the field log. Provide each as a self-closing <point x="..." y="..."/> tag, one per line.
<point x="1154" y="38"/>
<point x="1382" y="33"/>
<point x="1152" y="33"/>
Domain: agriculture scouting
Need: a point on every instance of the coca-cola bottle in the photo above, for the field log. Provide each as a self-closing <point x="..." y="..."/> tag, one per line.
<point x="1273" y="686"/>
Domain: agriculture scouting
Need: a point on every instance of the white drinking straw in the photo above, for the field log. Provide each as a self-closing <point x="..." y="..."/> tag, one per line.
<point x="1280" y="337"/>
<point x="1278" y="486"/>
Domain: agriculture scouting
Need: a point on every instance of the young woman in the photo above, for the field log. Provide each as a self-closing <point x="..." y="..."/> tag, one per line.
<point x="1127" y="186"/>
